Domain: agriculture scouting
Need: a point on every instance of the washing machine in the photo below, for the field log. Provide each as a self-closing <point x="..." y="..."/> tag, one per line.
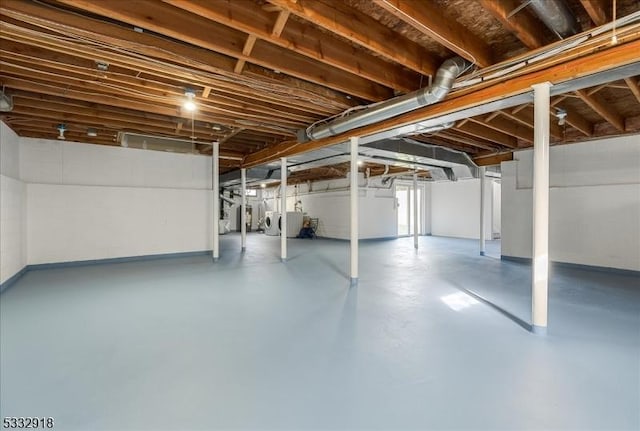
<point x="272" y="223"/>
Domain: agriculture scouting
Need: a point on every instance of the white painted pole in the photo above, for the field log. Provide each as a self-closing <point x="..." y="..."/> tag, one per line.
<point x="483" y="197"/>
<point x="540" y="268"/>
<point x="283" y="209"/>
<point x="415" y="210"/>
<point x="353" y="195"/>
<point x="243" y="208"/>
<point x="215" y="172"/>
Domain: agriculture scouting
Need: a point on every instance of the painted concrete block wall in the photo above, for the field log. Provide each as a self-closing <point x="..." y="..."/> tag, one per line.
<point x="48" y="161"/>
<point x="329" y="202"/>
<point x="594" y="214"/>
<point x="455" y="209"/>
<point x="94" y="202"/>
<point x="72" y="223"/>
<point x="13" y="252"/>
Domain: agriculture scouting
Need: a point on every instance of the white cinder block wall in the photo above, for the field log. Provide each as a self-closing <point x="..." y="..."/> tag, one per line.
<point x="13" y="249"/>
<point x="455" y="208"/>
<point x="329" y="202"/>
<point x="94" y="202"/>
<point x="594" y="214"/>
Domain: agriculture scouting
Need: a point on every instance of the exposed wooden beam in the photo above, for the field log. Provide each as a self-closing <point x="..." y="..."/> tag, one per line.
<point x="632" y="83"/>
<point x="246" y="51"/>
<point x="281" y="21"/>
<point x="149" y="45"/>
<point x="62" y="70"/>
<point x="425" y="16"/>
<point x="493" y="159"/>
<point x="482" y="131"/>
<point x="609" y="57"/>
<point x="525" y="117"/>
<point x="605" y="111"/>
<point x="525" y="27"/>
<point x="198" y="31"/>
<point x="303" y="39"/>
<point x="362" y="30"/>
<point x="200" y="63"/>
<point x="205" y="92"/>
<point x="599" y="10"/>
<point x="507" y="126"/>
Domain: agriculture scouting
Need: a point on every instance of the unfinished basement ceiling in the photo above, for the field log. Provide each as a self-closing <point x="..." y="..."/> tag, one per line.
<point x="263" y="70"/>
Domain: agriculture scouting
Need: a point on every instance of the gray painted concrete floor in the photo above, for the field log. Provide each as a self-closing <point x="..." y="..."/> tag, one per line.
<point x="251" y="343"/>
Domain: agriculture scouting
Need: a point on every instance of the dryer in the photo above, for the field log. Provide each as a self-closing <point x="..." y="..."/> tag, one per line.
<point x="272" y="223"/>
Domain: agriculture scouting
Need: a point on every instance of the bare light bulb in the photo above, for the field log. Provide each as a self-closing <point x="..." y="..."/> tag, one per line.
<point x="189" y="105"/>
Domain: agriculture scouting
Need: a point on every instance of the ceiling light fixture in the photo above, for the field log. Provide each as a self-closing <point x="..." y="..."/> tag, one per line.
<point x="189" y="104"/>
<point x="61" y="129"/>
<point x="562" y="115"/>
<point x="6" y="101"/>
<point x="92" y="132"/>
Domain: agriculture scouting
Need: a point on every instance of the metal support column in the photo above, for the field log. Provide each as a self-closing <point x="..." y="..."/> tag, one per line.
<point x="353" y="194"/>
<point x="215" y="185"/>
<point x="283" y="209"/>
<point x="415" y="210"/>
<point x="243" y="208"/>
<point x="540" y="267"/>
<point x="483" y="197"/>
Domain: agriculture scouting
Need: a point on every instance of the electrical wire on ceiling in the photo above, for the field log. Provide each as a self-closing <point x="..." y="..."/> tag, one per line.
<point x="69" y="34"/>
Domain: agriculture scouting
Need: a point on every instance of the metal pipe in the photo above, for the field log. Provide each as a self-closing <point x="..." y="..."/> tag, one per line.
<point x="556" y="15"/>
<point x="483" y="196"/>
<point x="215" y="173"/>
<point x="540" y="269"/>
<point x="353" y="197"/>
<point x="445" y="77"/>
<point x="415" y="210"/>
<point x="243" y="208"/>
<point x="283" y="209"/>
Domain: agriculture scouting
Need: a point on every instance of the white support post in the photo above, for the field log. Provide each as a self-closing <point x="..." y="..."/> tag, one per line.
<point x="353" y="195"/>
<point x="540" y="267"/>
<point x="483" y="197"/>
<point x="283" y="209"/>
<point x="243" y="208"/>
<point x="215" y="185"/>
<point x="415" y="210"/>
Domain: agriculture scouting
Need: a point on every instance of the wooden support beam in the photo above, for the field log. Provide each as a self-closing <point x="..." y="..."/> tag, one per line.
<point x="493" y="159"/>
<point x="303" y="39"/>
<point x="525" y="27"/>
<point x="425" y="16"/>
<point x="599" y="10"/>
<point x="362" y="30"/>
<point x="632" y="83"/>
<point x="605" y="111"/>
<point x="164" y="49"/>
<point x="281" y="21"/>
<point x="480" y="130"/>
<point x="525" y="117"/>
<point x="205" y="92"/>
<point x="507" y="126"/>
<point x="609" y="57"/>
<point x="198" y="31"/>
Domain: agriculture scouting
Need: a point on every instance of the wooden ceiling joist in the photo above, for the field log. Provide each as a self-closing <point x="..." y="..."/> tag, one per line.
<point x="632" y="84"/>
<point x="525" y="27"/>
<point x="427" y="18"/>
<point x="178" y="24"/>
<point x="599" y="10"/>
<point x="604" y="110"/>
<point x="305" y="40"/>
<point x="151" y="46"/>
<point x="362" y="30"/>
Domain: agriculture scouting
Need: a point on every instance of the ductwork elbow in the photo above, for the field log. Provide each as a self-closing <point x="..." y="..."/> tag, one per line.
<point x="441" y="86"/>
